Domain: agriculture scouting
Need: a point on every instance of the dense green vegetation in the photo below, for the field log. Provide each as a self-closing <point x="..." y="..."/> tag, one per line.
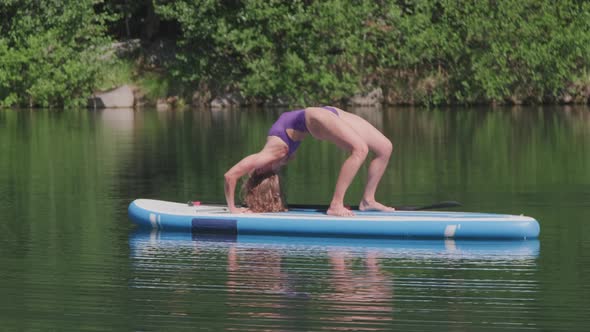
<point x="49" y="51"/>
<point x="418" y="52"/>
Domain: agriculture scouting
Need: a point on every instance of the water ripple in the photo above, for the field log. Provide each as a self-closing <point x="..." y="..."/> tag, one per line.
<point x="272" y="285"/>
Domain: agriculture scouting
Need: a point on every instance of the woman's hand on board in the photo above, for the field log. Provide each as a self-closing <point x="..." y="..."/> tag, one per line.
<point x="239" y="210"/>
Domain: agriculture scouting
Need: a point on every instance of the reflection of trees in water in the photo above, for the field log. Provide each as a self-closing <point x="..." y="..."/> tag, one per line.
<point x="57" y="170"/>
<point x="438" y="154"/>
<point x="182" y="155"/>
<point x="500" y="149"/>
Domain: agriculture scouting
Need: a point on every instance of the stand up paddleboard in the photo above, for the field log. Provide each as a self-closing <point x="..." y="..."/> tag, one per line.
<point x="215" y="219"/>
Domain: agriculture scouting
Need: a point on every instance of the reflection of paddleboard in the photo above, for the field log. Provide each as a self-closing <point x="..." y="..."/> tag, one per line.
<point x="154" y="241"/>
<point x="211" y="219"/>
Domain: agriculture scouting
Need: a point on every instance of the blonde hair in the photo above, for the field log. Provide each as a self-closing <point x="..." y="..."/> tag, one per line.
<point x="262" y="193"/>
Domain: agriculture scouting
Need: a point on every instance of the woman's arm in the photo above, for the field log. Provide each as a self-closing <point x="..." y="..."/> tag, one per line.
<point x="232" y="176"/>
<point x="268" y="155"/>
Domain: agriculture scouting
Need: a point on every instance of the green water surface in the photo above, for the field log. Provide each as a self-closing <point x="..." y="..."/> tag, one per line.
<point x="71" y="260"/>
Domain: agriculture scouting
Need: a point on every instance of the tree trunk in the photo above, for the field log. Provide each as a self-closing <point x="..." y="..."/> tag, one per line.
<point x="152" y="21"/>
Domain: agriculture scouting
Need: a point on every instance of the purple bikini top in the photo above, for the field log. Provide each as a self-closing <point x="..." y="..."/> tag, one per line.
<point x="292" y="120"/>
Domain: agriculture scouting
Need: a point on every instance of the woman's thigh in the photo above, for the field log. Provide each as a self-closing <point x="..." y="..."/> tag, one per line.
<point x="375" y="139"/>
<point x="325" y="125"/>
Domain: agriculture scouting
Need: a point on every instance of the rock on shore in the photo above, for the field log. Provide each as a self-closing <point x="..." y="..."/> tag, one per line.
<point x="121" y="97"/>
<point x="372" y="98"/>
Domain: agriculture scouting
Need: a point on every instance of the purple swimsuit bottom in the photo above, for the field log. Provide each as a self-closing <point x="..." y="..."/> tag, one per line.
<point x="292" y="120"/>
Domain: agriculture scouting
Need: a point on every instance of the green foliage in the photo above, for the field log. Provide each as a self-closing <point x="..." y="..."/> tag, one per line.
<point x="434" y="51"/>
<point x="299" y="50"/>
<point x="303" y="51"/>
<point x="49" y="51"/>
<point x="519" y="49"/>
<point x="474" y="51"/>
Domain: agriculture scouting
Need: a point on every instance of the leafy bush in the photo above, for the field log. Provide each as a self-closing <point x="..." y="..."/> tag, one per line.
<point x="433" y="51"/>
<point x="49" y="51"/>
<point x="308" y="50"/>
<point x="517" y="50"/>
<point x="304" y="51"/>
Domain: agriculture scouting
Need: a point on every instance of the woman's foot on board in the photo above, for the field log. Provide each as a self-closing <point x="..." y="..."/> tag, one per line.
<point x="339" y="211"/>
<point x="374" y="206"/>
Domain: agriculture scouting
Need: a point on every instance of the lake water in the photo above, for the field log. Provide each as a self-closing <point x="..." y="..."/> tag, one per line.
<point x="71" y="260"/>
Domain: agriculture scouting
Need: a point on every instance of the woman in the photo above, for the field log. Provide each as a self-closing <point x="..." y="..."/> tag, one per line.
<point x="348" y="131"/>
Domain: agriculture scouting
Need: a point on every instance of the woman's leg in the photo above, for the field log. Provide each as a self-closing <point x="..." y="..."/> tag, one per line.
<point x="382" y="147"/>
<point x="325" y="125"/>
